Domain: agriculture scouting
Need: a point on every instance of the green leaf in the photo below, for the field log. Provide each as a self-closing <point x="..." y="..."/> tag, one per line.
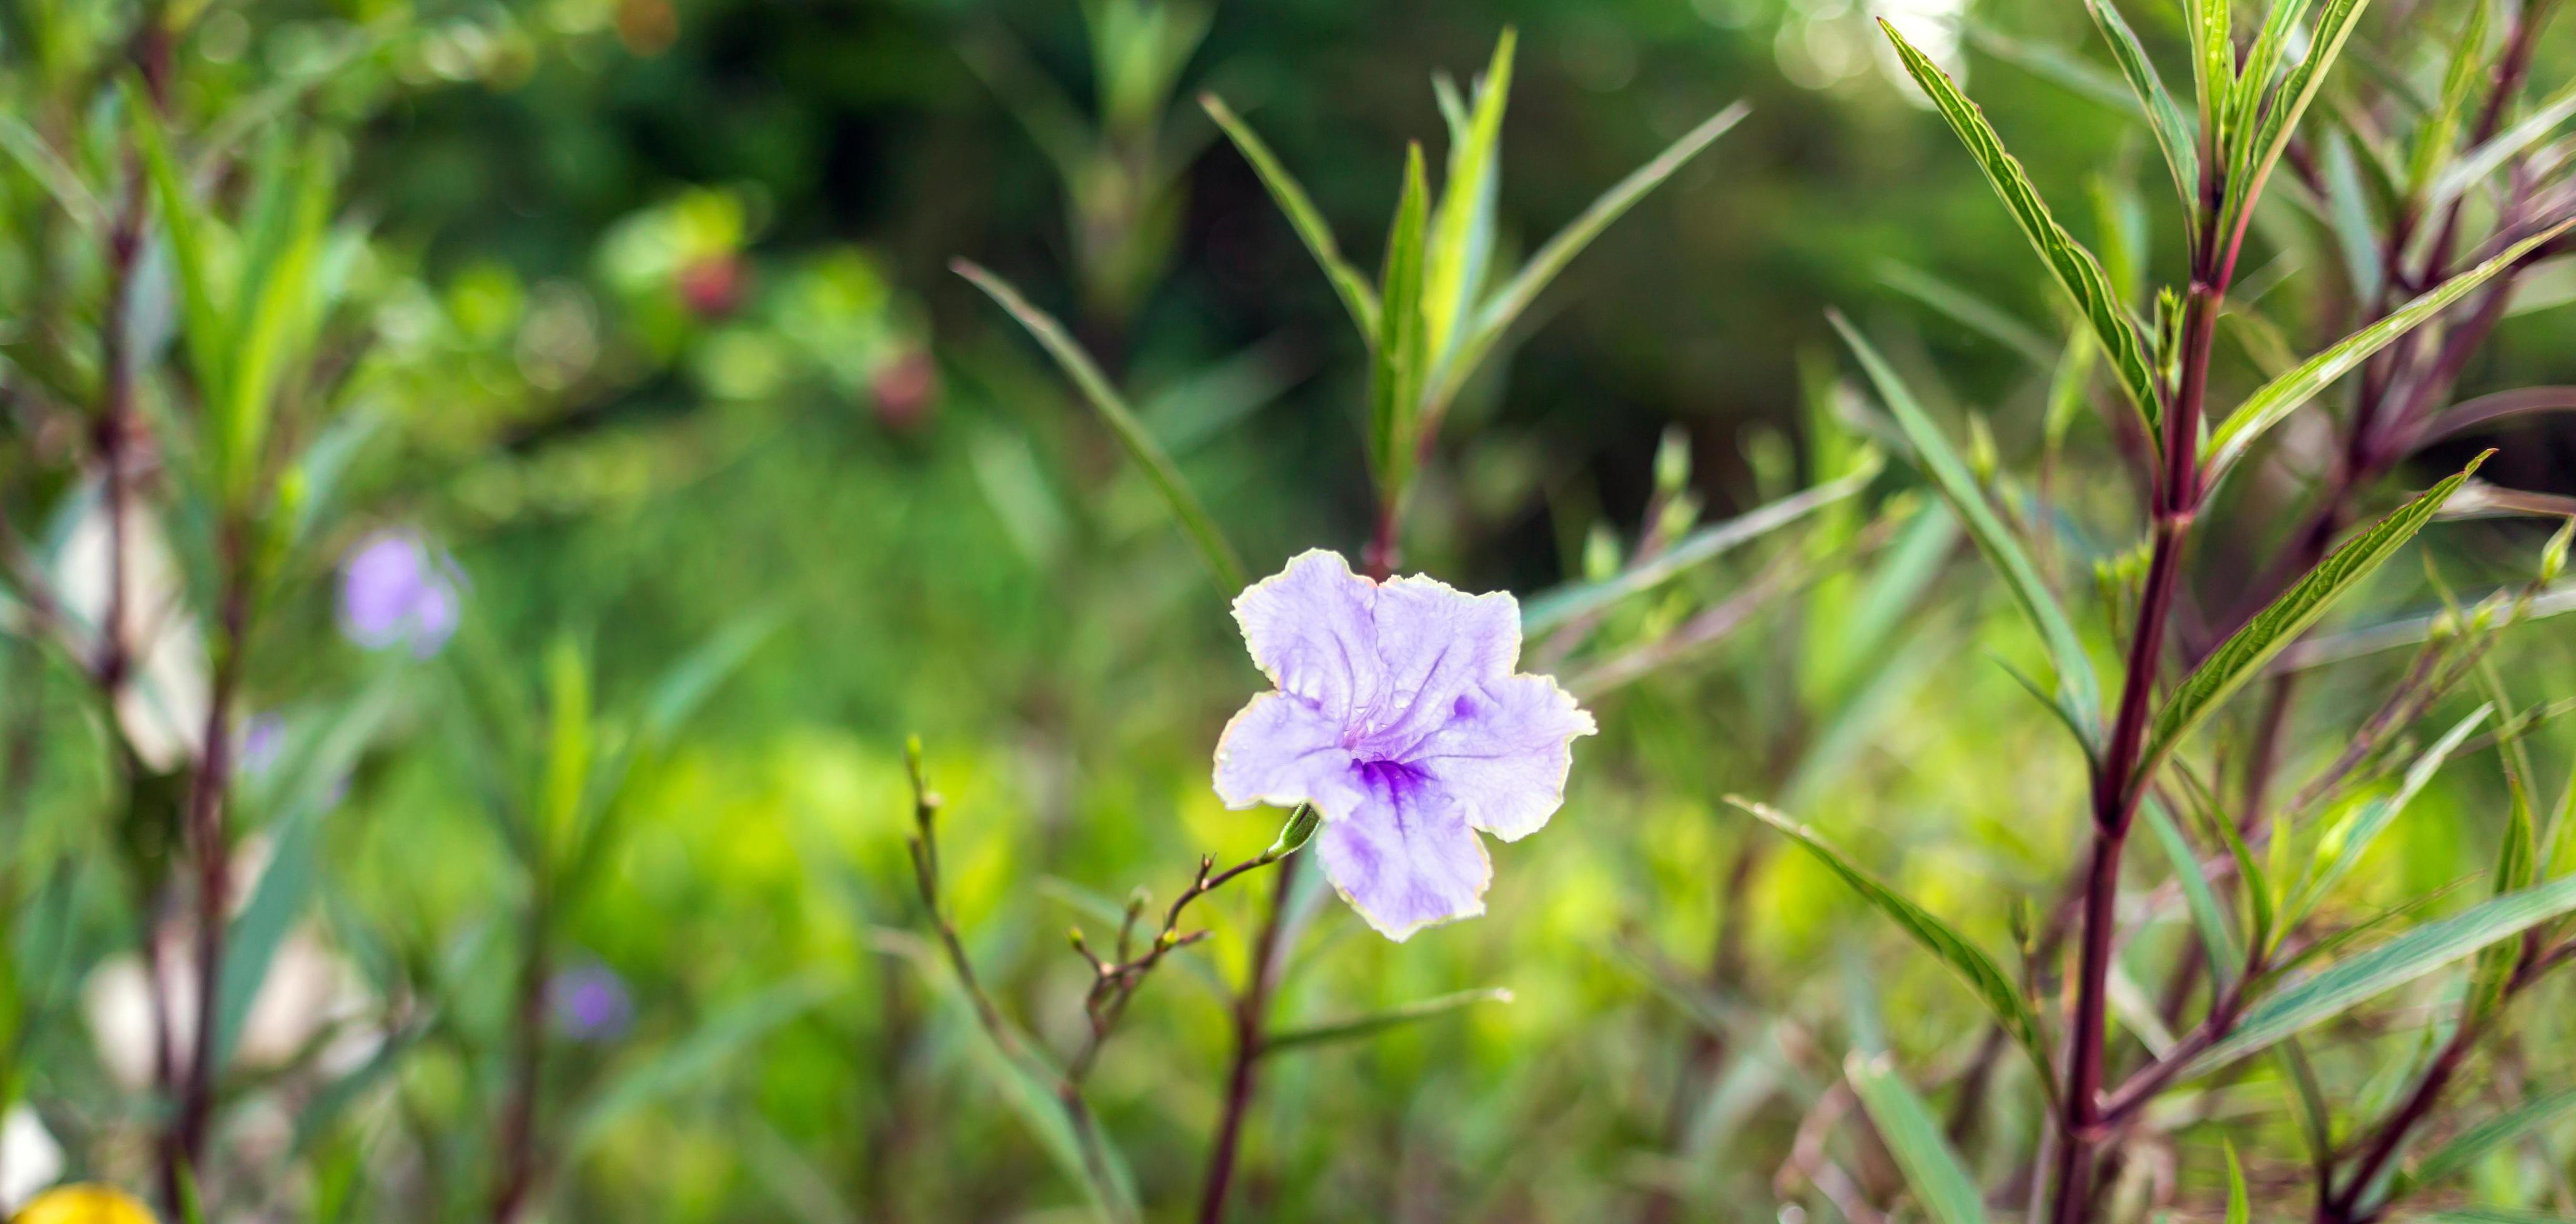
<point x="2075" y="268"/>
<point x="678" y="693"/>
<point x="2289" y="103"/>
<point x="2239" y="1209"/>
<point x="2399" y="961"/>
<point x="2174" y="135"/>
<point x="281" y="308"/>
<point x="2469" y="1146"/>
<point x="1214" y="551"/>
<point x="2225" y="957"/>
<point x="2433" y="136"/>
<point x="1372" y="1024"/>
<point x="1550" y="609"/>
<point x="1303" y="217"/>
<point x="1993" y="987"/>
<point x="1506" y="305"/>
<point x="38" y="159"/>
<point x="208" y="331"/>
<point x="2254" y="80"/>
<point x="2241" y="657"/>
<point x="2279" y="397"/>
<point x="2213" y="64"/>
<point x="1395" y="386"/>
<point x="1969" y="310"/>
<point x="1461" y="230"/>
<point x="2078" y="690"/>
<point x="252" y="939"/>
<point x="2475" y="165"/>
<point x="2351" y="837"/>
<point x="1940" y="1181"/>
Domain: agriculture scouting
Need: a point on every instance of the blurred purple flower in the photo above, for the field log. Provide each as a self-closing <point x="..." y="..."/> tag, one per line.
<point x="395" y="590"/>
<point x="261" y="740"/>
<point x="590" y="1003"/>
<point x="1399" y="717"/>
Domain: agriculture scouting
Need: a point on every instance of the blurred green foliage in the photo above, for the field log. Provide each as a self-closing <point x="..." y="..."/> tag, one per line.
<point x="639" y="311"/>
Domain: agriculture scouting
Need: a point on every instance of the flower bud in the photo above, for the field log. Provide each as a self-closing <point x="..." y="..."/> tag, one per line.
<point x="2553" y="555"/>
<point x="1672" y="462"/>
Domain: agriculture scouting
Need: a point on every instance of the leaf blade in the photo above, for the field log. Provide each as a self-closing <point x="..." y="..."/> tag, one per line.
<point x="1940" y="1181"/>
<point x="1303" y="217"/>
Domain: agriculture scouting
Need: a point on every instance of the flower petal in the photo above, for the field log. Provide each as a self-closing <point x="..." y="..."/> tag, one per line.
<point x="1438" y="643"/>
<point x="1282" y="751"/>
<point x="1404" y="856"/>
<point x="1312" y="630"/>
<point x="1504" y="753"/>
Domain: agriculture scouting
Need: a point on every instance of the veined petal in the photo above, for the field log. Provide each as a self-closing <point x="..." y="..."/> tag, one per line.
<point x="1311" y="629"/>
<point x="1281" y="750"/>
<point x="1504" y="753"/>
<point x="1403" y="856"/>
<point x="1438" y="643"/>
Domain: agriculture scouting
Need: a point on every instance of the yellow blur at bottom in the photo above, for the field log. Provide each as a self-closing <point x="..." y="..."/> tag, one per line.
<point x="83" y="1205"/>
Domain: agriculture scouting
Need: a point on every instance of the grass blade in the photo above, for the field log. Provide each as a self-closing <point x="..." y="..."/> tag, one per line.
<point x="1968" y="310"/>
<point x="2288" y="105"/>
<point x="2225" y="957"/>
<point x="1505" y="306"/>
<point x="2173" y="132"/>
<point x="2469" y="1146"/>
<point x="2075" y="268"/>
<point x="2388" y="966"/>
<point x="1553" y="608"/>
<point x="1219" y="555"/>
<point x="1395" y="388"/>
<point x="208" y="331"/>
<point x="42" y="164"/>
<point x="2078" y="689"/>
<point x="2281" y="396"/>
<point x="2241" y="657"/>
<point x="1454" y="259"/>
<point x="1941" y="1183"/>
<point x="1993" y="987"/>
<point x="1377" y="1022"/>
<point x="1302" y="215"/>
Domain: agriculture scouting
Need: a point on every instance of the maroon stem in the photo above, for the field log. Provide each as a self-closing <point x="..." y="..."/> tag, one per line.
<point x="515" y="1143"/>
<point x="1251" y="1015"/>
<point x="208" y="841"/>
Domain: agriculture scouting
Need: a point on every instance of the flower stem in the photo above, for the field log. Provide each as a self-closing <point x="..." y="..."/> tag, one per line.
<point x="1251" y="1017"/>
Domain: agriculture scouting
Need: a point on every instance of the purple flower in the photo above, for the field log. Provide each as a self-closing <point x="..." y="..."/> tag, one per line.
<point x="590" y="1003"/>
<point x="261" y="741"/>
<point x="394" y="590"/>
<point x="1399" y="717"/>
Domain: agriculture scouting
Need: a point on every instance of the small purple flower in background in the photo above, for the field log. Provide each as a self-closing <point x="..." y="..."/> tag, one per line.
<point x="590" y="1003"/>
<point x="1399" y="717"/>
<point x="261" y="740"/>
<point x="394" y="591"/>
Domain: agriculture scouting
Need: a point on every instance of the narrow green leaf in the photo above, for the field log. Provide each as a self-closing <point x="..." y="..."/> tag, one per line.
<point x="2475" y="165"/>
<point x="2174" y="135"/>
<point x="1218" y="555"/>
<point x="2433" y="136"/>
<point x="1550" y="609"/>
<point x="679" y="691"/>
<point x="2288" y="105"/>
<point x="208" y="331"/>
<point x="2078" y="690"/>
<point x="1507" y="303"/>
<point x="1374" y="1023"/>
<point x="2254" y="80"/>
<point x="2470" y="1146"/>
<point x="1993" y="987"/>
<point x="2348" y="211"/>
<point x="1395" y="388"/>
<point x="252" y="939"/>
<point x="2244" y="655"/>
<point x="2352" y="836"/>
<point x="281" y="306"/>
<point x="2225" y="957"/>
<point x="1940" y="1180"/>
<point x="1302" y="215"/>
<point x="1973" y="312"/>
<point x="2399" y="961"/>
<point x="2056" y="65"/>
<point x="1455" y="251"/>
<point x="38" y="159"/>
<point x="2316" y="1120"/>
<point x="2213" y="64"/>
<point x="2239" y="1209"/>
<point x="2276" y="399"/>
<point x="2074" y="267"/>
<point x="683" y="1063"/>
